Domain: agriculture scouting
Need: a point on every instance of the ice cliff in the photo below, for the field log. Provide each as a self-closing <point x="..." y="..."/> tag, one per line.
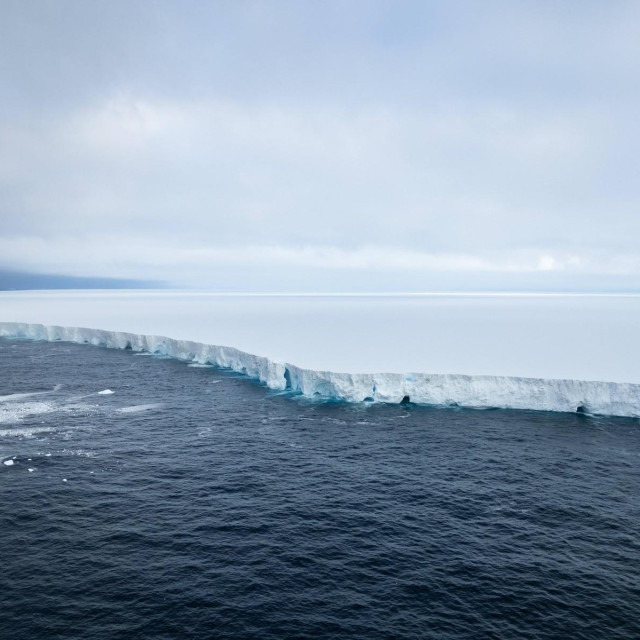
<point x="608" y="398"/>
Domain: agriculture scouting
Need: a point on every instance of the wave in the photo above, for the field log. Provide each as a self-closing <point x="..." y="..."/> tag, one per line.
<point x="15" y="397"/>
<point x="139" y="408"/>
<point x="500" y="392"/>
<point x="26" y="431"/>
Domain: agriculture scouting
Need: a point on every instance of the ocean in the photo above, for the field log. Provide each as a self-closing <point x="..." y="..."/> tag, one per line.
<point x="193" y="502"/>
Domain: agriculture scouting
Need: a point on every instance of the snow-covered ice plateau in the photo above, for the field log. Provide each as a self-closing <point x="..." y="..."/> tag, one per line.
<point x="552" y="353"/>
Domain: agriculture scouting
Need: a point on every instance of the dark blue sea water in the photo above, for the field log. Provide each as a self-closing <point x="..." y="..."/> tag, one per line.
<point x="198" y="504"/>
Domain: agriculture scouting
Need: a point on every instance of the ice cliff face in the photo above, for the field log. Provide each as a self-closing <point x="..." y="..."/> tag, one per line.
<point x="608" y="398"/>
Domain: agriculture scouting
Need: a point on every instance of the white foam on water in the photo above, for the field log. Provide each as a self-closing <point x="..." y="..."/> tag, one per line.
<point x="105" y="392"/>
<point x="199" y="365"/>
<point x="26" y="431"/>
<point x="14" y="412"/>
<point x="16" y="397"/>
<point x="138" y="408"/>
<point x="80" y="452"/>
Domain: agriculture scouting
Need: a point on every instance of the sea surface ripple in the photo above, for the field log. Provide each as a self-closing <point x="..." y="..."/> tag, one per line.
<point x="194" y="503"/>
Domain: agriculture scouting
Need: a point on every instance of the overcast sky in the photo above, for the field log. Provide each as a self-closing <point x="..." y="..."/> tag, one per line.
<point x="323" y="146"/>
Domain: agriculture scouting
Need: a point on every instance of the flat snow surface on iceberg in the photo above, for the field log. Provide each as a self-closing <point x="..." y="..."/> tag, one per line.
<point x="552" y="353"/>
<point x="569" y="337"/>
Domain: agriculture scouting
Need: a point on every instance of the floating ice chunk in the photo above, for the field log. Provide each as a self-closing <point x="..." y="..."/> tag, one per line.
<point x="9" y="463"/>
<point x="105" y="392"/>
<point x="64" y="479"/>
<point x="30" y="470"/>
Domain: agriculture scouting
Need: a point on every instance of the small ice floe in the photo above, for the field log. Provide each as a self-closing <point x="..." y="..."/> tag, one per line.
<point x="105" y="392"/>
<point x="48" y="455"/>
<point x="199" y="365"/>
<point x="64" y="479"/>
<point x="9" y="463"/>
<point x="30" y="469"/>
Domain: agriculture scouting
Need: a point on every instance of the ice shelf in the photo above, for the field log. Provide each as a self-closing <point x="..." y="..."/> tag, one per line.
<point x="473" y="391"/>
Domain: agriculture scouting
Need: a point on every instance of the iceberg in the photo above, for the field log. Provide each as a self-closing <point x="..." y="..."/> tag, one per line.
<point x="443" y="390"/>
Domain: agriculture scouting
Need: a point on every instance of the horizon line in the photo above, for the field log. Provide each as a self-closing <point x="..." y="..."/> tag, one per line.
<point x="337" y="294"/>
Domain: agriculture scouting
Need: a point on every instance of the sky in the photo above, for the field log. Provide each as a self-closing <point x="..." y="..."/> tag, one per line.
<point x="322" y="146"/>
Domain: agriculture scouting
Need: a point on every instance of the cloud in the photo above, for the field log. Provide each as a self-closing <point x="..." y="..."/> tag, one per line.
<point x="363" y="138"/>
<point x="264" y="265"/>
